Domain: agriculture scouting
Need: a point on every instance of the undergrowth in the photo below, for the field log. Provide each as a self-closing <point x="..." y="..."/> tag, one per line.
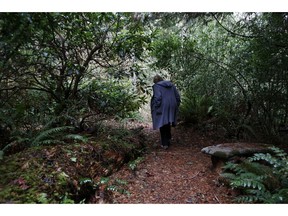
<point x="262" y="178"/>
<point x="53" y="172"/>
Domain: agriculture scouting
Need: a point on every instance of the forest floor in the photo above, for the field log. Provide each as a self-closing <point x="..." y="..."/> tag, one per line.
<point x="83" y="172"/>
<point x="181" y="174"/>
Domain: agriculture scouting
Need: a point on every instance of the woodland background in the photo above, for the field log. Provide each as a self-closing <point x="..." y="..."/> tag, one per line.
<point x="65" y="76"/>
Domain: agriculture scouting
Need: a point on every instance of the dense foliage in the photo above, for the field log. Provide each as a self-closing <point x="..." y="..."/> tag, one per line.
<point x="53" y="64"/>
<point x="230" y="67"/>
<point x="114" y="98"/>
<point x="65" y="73"/>
<point x="237" y="62"/>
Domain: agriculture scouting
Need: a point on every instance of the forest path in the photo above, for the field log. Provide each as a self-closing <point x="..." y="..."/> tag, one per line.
<point x="178" y="175"/>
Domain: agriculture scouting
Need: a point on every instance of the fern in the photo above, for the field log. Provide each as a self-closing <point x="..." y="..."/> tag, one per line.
<point x="282" y="195"/>
<point x="46" y="135"/>
<point x="133" y="164"/>
<point x="279" y="152"/>
<point x="234" y="168"/>
<point x="278" y="160"/>
<point x="260" y="183"/>
<point x="266" y="157"/>
<point x="247" y="199"/>
<point x="195" y="108"/>
<point x="248" y="180"/>
<point x="228" y="175"/>
<point x="56" y="135"/>
<point x="116" y="186"/>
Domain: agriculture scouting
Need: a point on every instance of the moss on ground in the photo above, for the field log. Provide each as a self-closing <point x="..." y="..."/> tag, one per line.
<point x="54" y="174"/>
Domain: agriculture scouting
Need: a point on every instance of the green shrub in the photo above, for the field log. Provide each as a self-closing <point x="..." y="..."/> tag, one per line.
<point x="195" y="108"/>
<point x="114" y="98"/>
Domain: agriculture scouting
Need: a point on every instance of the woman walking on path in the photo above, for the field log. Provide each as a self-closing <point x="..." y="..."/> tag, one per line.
<point x="164" y="108"/>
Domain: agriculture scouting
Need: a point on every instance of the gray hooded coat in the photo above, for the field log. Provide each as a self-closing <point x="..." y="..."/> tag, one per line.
<point x="164" y="104"/>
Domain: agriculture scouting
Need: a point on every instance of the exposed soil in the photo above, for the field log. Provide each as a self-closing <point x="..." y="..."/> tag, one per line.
<point x="180" y="174"/>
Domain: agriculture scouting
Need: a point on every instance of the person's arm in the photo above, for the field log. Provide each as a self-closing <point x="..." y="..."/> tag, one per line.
<point x="157" y="97"/>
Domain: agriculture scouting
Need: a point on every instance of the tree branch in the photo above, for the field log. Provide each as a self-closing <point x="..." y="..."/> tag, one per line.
<point x="234" y="33"/>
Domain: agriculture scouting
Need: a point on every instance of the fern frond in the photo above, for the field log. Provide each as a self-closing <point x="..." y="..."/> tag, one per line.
<point x="229" y="176"/>
<point x="245" y="182"/>
<point x="256" y="168"/>
<point x="247" y="199"/>
<point x="266" y="157"/>
<point x="234" y="168"/>
<point x="280" y="153"/>
<point x="46" y="134"/>
<point x="281" y="196"/>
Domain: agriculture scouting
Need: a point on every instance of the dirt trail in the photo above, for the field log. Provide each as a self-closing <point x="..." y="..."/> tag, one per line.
<point x="181" y="174"/>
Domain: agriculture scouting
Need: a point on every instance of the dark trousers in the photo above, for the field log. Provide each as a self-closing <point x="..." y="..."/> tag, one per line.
<point x="165" y="132"/>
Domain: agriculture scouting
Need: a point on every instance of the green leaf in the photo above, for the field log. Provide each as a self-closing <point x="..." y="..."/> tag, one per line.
<point x="74" y="159"/>
<point x="104" y="180"/>
<point x="42" y="198"/>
